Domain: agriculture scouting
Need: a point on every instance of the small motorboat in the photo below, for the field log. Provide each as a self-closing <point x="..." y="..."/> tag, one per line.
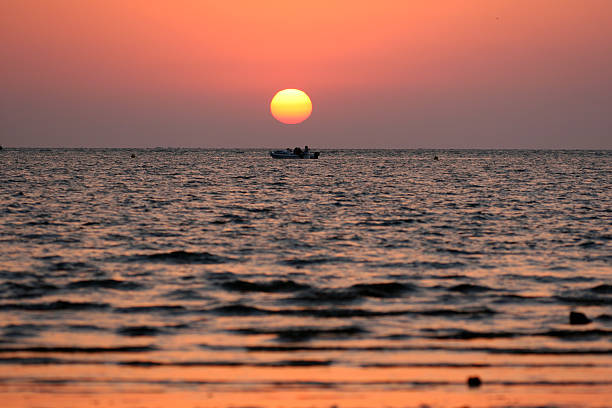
<point x="290" y="154"/>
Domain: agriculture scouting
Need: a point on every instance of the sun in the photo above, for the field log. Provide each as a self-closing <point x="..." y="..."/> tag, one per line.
<point x="291" y="106"/>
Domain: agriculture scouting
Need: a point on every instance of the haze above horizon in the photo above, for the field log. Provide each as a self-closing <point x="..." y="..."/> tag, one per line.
<point x="435" y="74"/>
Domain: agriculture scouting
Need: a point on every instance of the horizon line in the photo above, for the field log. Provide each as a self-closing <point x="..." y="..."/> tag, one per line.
<point x="321" y="148"/>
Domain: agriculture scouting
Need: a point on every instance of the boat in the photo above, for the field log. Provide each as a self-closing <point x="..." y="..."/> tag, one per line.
<point x="289" y="154"/>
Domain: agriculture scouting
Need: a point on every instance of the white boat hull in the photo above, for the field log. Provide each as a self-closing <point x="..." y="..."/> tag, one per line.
<point x="284" y="154"/>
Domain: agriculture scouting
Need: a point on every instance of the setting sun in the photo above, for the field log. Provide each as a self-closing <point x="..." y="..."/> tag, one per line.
<point x="291" y="106"/>
<point x="209" y="253"/>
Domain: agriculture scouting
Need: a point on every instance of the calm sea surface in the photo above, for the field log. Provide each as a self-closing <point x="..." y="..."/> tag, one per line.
<point x="365" y="278"/>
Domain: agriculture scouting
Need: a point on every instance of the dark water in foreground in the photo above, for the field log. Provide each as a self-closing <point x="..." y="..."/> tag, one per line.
<point x="223" y="271"/>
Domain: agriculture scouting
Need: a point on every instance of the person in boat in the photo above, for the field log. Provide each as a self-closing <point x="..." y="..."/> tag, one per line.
<point x="306" y="149"/>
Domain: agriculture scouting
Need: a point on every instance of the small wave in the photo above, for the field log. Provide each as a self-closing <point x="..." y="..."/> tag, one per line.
<point x="421" y="265"/>
<point x="388" y="348"/>
<point x="133" y="363"/>
<point x="429" y="365"/>
<point x="85" y="327"/>
<point x="478" y="365"/>
<point x="221" y="276"/>
<point x="299" y="262"/>
<point x="471" y="312"/>
<point x="137" y="331"/>
<point x="104" y="284"/>
<point x="590" y="244"/>
<point x="260" y="210"/>
<point x="41" y="238"/>
<point x="148" y="331"/>
<point x="353" y="293"/>
<point x="184" y="294"/>
<point x="172" y="309"/>
<point x="179" y="257"/>
<point x="458" y="251"/>
<point x="592" y="334"/>
<point x="584" y="300"/>
<point x="513" y="298"/>
<point x="33" y="360"/>
<point x="381" y="290"/>
<point x="386" y="223"/>
<point x="560" y="268"/>
<point x="297" y="363"/>
<point x="469" y="288"/>
<point x="604" y="318"/>
<point x="270" y="286"/>
<point x="230" y="219"/>
<point x="84" y="350"/>
<point x="547" y="278"/>
<point x="148" y="363"/>
<point x="298" y="334"/>
<point x="453" y="276"/>
<point x="70" y="266"/>
<point x="222" y="363"/>
<point x="336" y="313"/>
<point x="22" y="330"/>
<point x="19" y="275"/>
<point x="602" y="289"/>
<point x="239" y="310"/>
<point x="243" y="310"/>
<point x="319" y="296"/>
<point x="460" y="334"/>
<point x="438" y="265"/>
<point x="343" y="312"/>
<point x="54" y="306"/>
<point x="12" y="290"/>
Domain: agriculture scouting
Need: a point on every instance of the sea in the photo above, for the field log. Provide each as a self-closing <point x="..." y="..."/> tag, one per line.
<point x="366" y="278"/>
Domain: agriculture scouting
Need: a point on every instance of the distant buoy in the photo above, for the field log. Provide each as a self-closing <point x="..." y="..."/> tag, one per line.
<point x="133" y="155"/>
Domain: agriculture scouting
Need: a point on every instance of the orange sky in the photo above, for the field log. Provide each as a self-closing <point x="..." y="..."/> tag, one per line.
<point x="435" y="73"/>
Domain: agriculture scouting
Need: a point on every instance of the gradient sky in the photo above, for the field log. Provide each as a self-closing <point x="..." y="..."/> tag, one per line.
<point x="388" y="74"/>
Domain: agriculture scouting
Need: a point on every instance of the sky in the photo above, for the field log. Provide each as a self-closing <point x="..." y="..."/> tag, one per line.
<point x="381" y="74"/>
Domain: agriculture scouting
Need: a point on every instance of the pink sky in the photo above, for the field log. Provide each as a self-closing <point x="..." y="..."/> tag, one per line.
<point x="388" y="74"/>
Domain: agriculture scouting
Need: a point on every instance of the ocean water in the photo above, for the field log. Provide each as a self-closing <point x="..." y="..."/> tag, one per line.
<point x="365" y="278"/>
